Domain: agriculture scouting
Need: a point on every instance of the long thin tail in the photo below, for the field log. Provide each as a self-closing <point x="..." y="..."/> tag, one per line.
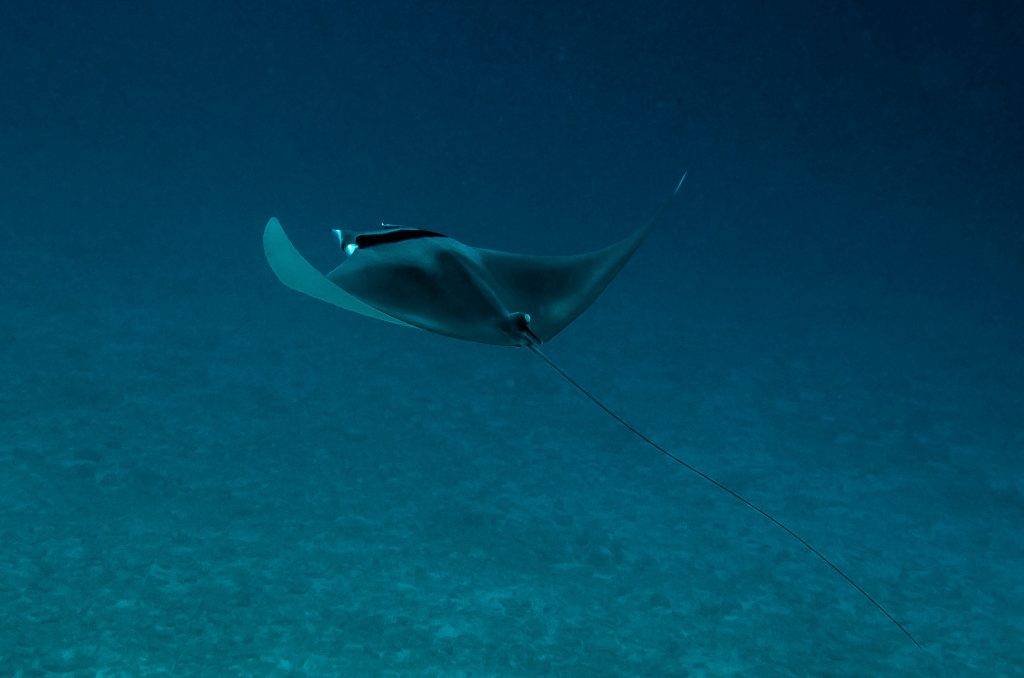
<point x="639" y="434"/>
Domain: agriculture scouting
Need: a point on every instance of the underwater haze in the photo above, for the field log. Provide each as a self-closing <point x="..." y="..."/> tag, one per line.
<point x="203" y="473"/>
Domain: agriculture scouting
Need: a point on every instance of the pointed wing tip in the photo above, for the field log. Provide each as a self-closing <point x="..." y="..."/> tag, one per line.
<point x="272" y="228"/>
<point x="273" y="234"/>
<point x="285" y="261"/>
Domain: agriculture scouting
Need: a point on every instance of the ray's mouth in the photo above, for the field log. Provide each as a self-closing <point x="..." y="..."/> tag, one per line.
<point x="347" y="241"/>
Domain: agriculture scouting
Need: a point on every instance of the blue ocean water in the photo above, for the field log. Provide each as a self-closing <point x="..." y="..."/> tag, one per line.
<point x="204" y="473"/>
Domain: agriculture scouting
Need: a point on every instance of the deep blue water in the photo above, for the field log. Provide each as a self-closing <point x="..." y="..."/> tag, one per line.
<point x="204" y="473"/>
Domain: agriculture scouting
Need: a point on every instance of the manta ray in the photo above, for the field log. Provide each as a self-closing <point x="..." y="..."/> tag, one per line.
<point x="423" y="279"/>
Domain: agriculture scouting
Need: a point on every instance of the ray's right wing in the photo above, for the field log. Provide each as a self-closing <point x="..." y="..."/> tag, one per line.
<point x="555" y="290"/>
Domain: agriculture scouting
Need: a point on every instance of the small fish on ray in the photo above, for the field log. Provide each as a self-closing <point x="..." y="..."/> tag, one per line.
<point x="420" y="278"/>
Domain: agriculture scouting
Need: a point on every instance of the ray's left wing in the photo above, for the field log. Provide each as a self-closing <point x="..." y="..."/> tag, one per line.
<point x="292" y="269"/>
